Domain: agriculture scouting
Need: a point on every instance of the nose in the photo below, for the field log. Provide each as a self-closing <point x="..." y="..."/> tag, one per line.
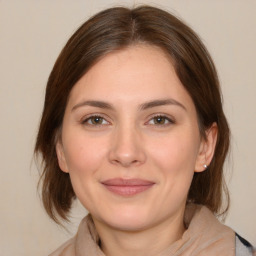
<point x="127" y="147"/>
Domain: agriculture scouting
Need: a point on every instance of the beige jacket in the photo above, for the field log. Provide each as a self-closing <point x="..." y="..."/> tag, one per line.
<point x="205" y="236"/>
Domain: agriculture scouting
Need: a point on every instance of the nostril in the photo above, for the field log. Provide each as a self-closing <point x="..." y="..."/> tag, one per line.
<point x="126" y="147"/>
<point x="126" y="160"/>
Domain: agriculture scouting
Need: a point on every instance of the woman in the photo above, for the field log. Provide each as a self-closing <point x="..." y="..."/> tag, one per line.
<point x="133" y="127"/>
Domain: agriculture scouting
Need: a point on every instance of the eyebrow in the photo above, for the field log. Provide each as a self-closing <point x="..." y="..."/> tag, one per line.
<point x="93" y="103"/>
<point x="161" y="102"/>
<point x="144" y="106"/>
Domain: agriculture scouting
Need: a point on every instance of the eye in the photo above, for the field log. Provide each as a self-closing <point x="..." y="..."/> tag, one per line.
<point x="160" y="120"/>
<point x="95" y="120"/>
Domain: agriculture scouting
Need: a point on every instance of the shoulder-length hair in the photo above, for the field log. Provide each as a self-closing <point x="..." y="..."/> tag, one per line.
<point x="115" y="29"/>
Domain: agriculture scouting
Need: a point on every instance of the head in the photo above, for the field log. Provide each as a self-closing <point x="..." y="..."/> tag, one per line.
<point x="116" y="30"/>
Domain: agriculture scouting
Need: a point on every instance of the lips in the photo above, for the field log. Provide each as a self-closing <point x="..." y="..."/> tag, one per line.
<point x="127" y="187"/>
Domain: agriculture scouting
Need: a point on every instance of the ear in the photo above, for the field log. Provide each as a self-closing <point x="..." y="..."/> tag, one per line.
<point x="61" y="156"/>
<point x="207" y="148"/>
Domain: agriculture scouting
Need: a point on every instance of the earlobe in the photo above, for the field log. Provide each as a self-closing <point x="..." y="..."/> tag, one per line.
<point x="61" y="157"/>
<point x="207" y="149"/>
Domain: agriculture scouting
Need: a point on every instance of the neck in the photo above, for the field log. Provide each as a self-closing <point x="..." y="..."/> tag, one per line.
<point x="148" y="242"/>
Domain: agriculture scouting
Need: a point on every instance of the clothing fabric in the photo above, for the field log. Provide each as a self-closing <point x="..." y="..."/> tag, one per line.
<point x="204" y="236"/>
<point x="243" y="247"/>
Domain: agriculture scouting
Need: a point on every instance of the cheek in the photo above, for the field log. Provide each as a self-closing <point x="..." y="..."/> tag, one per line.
<point x="174" y="162"/>
<point x="175" y="153"/>
<point x="84" y="155"/>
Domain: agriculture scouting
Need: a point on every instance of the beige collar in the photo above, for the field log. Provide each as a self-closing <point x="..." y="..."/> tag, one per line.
<point x="205" y="236"/>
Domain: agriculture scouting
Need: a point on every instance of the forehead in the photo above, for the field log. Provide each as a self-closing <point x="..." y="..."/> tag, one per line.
<point x="134" y="73"/>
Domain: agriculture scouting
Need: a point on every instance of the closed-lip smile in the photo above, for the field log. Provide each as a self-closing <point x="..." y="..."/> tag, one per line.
<point x="127" y="187"/>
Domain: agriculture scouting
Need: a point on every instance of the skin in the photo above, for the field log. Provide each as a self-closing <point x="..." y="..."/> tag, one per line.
<point x="131" y="139"/>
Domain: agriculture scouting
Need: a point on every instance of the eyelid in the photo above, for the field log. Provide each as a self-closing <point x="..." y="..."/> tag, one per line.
<point x="170" y="119"/>
<point x="85" y="118"/>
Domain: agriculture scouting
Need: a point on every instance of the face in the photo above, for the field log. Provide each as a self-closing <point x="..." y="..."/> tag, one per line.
<point x="130" y="140"/>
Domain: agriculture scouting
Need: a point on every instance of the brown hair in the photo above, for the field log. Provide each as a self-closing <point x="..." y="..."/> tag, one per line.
<point x="114" y="29"/>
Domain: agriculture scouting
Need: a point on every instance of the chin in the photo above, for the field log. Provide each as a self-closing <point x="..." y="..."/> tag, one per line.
<point x="129" y="225"/>
<point x="128" y="220"/>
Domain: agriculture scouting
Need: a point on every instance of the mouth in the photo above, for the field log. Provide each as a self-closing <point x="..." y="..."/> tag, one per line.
<point x="127" y="187"/>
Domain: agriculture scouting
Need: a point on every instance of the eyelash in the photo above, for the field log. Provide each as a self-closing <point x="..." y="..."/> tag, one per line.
<point x="88" y="120"/>
<point x="168" y="119"/>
